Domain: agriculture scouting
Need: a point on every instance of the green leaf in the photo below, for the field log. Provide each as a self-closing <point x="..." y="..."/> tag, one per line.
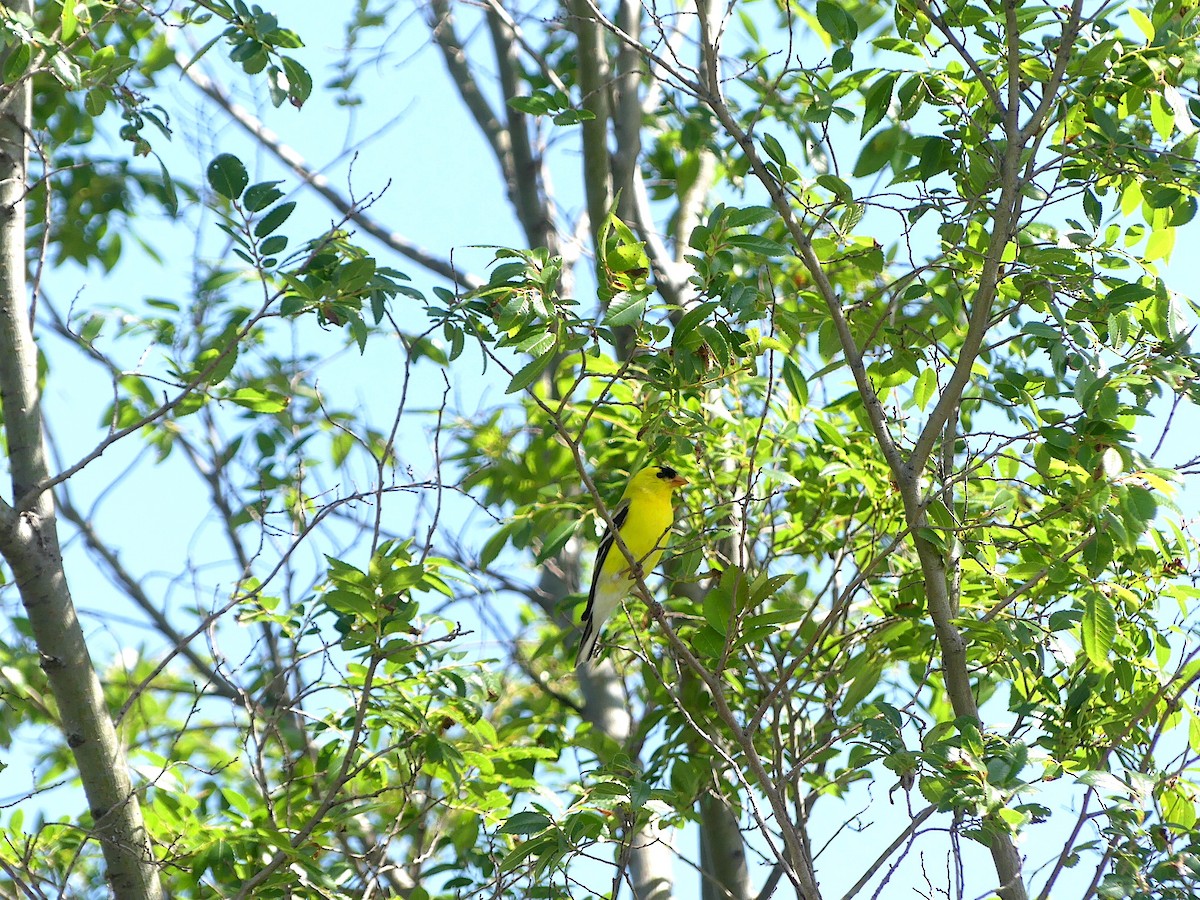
<point x="878" y="151"/>
<point x="274" y="219"/>
<point x="557" y="539"/>
<point x="273" y="245"/>
<point x="691" y="319"/>
<point x="877" y="101"/>
<point x="536" y="104"/>
<point x="299" y="81"/>
<point x="624" y="309"/>
<point x="537" y="344"/>
<point x="227" y="176"/>
<point x="836" y="21"/>
<point x="574" y="116"/>
<point x="494" y="544"/>
<point x="529" y="373"/>
<point x="749" y="215"/>
<point x="717" y="607"/>
<point x="170" y="196"/>
<point x="1141" y="21"/>
<point x="796" y="384"/>
<point x="774" y="149"/>
<point x="96" y="100"/>
<point x="709" y="643"/>
<point x="68" y="20"/>
<point x="756" y="243"/>
<point x="837" y="187"/>
<point x="1098" y="628"/>
<point x="937" y="155"/>
<point x="17" y="62"/>
<point x="223" y="363"/>
<point x="526" y="823"/>
<point x="292" y="304"/>
<point x="1092" y="208"/>
<point x="765" y="587"/>
<point x="1041" y="330"/>
<point x="259" y="196"/>
<point x="259" y="401"/>
<point x="925" y="387"/>
<point x="934" y="537"/>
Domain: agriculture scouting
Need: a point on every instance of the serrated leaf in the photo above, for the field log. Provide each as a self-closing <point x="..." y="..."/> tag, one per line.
<point x="749" y="215"/>
<point x="259" y="196"/>
<point x="756" y="243"/>
<point x="273" y="219"/>
<point x="692" y="318"/>
<point x="877" y="100"/>
<point x="273" y="245"/>
<point x="624" y="309"/>
<point x="529" y="373"/>
<point x="774" y="149"/>
<point x="1098" y="628"/>
<point x="537" y="344"/>
<point x="526" y="823"/>
<point x="837" y="187"/>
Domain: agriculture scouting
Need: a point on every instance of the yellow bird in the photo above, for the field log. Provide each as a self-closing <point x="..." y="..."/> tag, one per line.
<point x="643" y="517"/>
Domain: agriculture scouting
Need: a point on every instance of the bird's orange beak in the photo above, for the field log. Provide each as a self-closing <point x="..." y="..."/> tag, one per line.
<point x="678" y="481"/>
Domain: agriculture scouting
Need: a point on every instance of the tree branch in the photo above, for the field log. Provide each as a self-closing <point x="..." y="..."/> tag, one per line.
<point x="319" y="183"/>
<point x="454" y="55"/>
<point x="134" y="591"/>
<point x="627" y="107"/>
<point x="525" y="181"/>
<point x="29" y="540"/>
<point x="593" y="75"/>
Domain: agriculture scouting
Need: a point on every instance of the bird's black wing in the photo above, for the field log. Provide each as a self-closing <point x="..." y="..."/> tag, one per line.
<point x="620" y="514"/>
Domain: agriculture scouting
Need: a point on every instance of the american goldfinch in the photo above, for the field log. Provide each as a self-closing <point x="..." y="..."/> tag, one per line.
<point x="643" y="517"/>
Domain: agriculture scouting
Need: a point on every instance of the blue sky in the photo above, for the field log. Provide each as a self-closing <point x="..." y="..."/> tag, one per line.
<point x="413" y="141"/>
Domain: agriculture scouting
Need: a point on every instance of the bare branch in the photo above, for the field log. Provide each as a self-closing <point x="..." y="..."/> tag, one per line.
<point x="526" y="180"/>
<point x="593" y="83"/>
<point x="441" y="24"/>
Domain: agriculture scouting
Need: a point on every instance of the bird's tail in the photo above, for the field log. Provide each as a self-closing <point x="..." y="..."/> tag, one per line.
<point x="587" y="643"/>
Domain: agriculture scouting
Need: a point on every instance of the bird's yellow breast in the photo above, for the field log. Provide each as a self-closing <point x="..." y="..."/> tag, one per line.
<point x="645" y="530"/>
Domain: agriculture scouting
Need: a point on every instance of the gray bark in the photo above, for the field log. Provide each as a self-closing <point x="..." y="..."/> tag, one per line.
<point x="29" y="538"/>
<point x="722" y="852"/>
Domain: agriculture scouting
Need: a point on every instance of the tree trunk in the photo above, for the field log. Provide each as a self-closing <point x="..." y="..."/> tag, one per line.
<point x="722" y="852"/>
<point x="29" y="537"/>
